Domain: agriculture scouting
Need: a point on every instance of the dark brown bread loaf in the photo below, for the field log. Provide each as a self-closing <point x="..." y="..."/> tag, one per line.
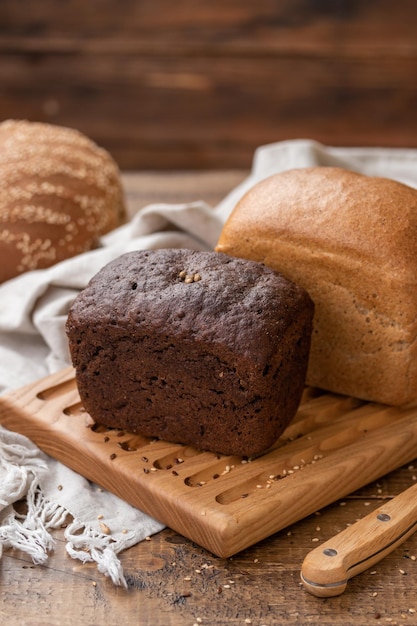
<point x="193" y="347"/>
<point x="59" y="193"/>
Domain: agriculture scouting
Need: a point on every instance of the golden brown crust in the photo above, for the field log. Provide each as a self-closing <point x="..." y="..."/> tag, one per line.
<point x="59" y="193"/>
<point x="350" y="241"/>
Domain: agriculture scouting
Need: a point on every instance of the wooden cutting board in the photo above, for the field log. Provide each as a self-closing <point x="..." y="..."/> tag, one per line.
<point x="334" y="446"/>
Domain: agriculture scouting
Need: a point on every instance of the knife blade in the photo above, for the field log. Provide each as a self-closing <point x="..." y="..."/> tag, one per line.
<point x="326" y="569"/>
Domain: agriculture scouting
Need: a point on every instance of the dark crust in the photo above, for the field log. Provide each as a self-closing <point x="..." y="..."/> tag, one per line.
<point x="218" y="363"/>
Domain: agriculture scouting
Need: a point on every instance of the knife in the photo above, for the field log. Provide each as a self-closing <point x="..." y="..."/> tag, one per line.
<point x="326" y="569"/>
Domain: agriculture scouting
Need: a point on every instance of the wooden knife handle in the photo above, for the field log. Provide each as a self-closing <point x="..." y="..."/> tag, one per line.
<point x="327" y="569"/>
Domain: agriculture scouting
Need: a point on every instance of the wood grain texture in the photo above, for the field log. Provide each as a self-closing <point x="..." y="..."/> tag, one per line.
<point x="172" y="581"/>
<point x="326" y="570"/>
<point x="201" y="85"/>
<point x="333" y="446"/>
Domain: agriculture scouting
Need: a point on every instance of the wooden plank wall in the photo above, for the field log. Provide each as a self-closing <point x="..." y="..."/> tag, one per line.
<point x="187" y="84"/>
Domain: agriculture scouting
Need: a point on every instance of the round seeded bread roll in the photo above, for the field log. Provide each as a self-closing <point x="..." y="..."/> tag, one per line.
<point x="59" y="192"/>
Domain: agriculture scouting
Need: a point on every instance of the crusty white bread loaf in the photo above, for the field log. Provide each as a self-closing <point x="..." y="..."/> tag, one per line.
<point x="59" y="192"/>
<point x="351" y="242"/>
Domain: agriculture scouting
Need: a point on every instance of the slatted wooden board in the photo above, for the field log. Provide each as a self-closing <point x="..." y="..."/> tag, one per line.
<point x="334" y="446"/>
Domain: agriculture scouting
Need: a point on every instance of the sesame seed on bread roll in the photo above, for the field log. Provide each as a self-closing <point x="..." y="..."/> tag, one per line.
<point x="59" y="192"/>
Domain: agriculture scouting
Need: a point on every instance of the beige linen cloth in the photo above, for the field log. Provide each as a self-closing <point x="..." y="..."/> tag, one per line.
<point x="33" y="309"/>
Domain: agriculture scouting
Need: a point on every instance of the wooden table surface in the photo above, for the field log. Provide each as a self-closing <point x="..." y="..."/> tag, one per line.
<point x="174" y="582"/>
<point x="197" y="84"/>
